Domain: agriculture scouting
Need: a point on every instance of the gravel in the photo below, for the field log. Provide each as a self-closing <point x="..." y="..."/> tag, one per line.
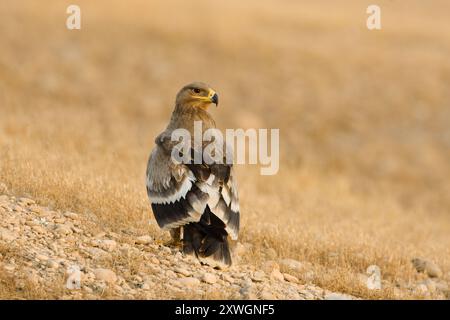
<point x="72" y="252"/>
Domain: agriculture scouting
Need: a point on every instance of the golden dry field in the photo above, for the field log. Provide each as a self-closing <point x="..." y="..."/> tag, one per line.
<point x="364" y="119"/>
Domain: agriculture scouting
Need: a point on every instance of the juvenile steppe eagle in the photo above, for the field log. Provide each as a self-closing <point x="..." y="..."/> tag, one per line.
<point x="197" y="203"/>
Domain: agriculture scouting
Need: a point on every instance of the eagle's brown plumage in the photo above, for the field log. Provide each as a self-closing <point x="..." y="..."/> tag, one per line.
<point x="199" y="201"/>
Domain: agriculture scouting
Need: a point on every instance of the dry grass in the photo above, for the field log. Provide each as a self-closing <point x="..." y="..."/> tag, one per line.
<point x="364" y="119"/>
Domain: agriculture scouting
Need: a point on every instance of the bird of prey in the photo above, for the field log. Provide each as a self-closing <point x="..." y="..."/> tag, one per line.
<point x="197" y="202"/>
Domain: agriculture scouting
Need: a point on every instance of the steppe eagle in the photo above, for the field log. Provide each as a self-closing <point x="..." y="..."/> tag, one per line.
<point x="197" y="202"/>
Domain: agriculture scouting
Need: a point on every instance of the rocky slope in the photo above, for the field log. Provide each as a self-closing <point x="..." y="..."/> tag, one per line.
<point x="48" y="254"/>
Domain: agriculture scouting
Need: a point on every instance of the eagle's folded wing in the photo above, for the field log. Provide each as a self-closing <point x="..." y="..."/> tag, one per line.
<point x="172" y="192"/>
<point x="228" y="207"/>
<point x="218" y="181"/>
<point x="180" y="193"/>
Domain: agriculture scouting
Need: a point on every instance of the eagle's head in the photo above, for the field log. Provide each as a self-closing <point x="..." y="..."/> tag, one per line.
<point x="197" y="95"/>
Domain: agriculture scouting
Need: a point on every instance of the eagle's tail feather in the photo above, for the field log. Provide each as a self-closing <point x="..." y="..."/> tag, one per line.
<point x="207" y="240"/>
<point x="219" y="251"/>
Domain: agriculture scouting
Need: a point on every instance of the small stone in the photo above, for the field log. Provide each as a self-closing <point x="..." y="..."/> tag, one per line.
<point x="373" y="277"/>
<point x="144" y="240"/>
<point x="258" y="276"/>
<point x="36" y="209"/>
<point x="247" y="292"/>
<point x="52" y="264"/>
<point x="276" y="275"/>
<point x="290" y="278"/>
<point x="178" y="256"/>
<point x="87" y="289"/>
<point x="431" y="285"/>
<point x="147" y="285"/>
<point x="26" y="201"/>
<point x="136" y="278"/>
<point x="209" y="278"/>
<point x="63" y="230"/>
<point x="9" y="267"/>
<point x="73" y="281"/>
<point x="107" y="245"/>
<point x="182" y="271"/>
<point x="433" y="270"/>
<point x="307" y="295"/>
<point x="71" y="215"/>
<point x="38" y="229"/>
<point x="421" y="289"/>
<point x="100" y="235"/>
<point x="31" y="223"/>
<point x="171" y="274"/>
<point x="228" y="278"/>
<point x="41" y="257"/>
<point x="106" y="275"/>
<point x="267" y="295"/>
<point x="292" y="264"/>
<point x="154" y="268"/>
<point x="337" y="296"/>
<point x="166" y="250"/>
<point x="97" y="253"/>
<point x="113" y="235"/>
<point x="419" y="264"/>
<point x="59" y="220"/>
<point x="7" y="235"/>
<point x="188" y="282"/>
<point x="430" y="268"/>
<point x="77" y="230"/>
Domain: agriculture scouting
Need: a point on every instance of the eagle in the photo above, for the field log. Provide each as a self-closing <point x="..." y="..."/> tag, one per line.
<point x="196" y="201"/>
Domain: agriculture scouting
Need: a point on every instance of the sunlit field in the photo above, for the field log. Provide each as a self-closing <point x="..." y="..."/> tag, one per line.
<point x="364" y="119"/>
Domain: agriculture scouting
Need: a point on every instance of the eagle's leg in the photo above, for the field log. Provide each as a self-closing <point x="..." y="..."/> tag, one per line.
<point x="175" y="233"/>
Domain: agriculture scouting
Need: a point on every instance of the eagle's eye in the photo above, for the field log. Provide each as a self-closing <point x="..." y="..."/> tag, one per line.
<point x="196" y="90"/>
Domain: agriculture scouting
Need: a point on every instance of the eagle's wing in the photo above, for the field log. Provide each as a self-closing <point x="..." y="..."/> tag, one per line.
<point x="171" y="189"/>
<point x="230" y="212"/>
<point x="218" y="182"/>
<point x="181" y="193"/>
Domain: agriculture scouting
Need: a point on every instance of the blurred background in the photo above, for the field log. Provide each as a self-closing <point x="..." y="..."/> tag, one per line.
<point x="364" y="119"/>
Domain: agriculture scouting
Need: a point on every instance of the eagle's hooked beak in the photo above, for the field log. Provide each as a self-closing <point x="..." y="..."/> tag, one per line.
<point x="215" y="99"/>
